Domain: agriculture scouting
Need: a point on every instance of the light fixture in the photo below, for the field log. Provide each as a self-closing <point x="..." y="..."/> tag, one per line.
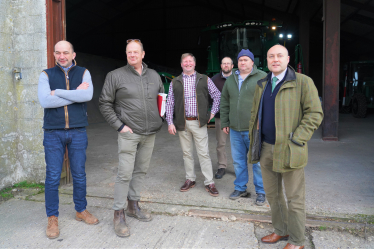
<point x="17" y="73"/>
<point x="273" y="27"/>
<point x="289" y="36"/>
<point x="281" y="36"/>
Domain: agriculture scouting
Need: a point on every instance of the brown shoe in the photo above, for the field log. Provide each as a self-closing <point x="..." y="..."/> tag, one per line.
<point x="119" y="222"/>
<point x="52" y="228"/>
<point x="133" y="210"/>
<point x="290" y="246"/>
<point x="273" y="238"/>
<point x="211" y="188"/>
<point x="86" y="217"/>
<point x="187" y="185"/>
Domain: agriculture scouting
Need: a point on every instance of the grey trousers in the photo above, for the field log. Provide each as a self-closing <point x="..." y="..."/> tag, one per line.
<point x="135" y="153"/>
<point x="200" y="135"/>
<point x="287" y="219"/>
<point x="221" y="145"/>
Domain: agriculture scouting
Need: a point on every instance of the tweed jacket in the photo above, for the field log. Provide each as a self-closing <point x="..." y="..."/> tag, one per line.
<point x="298" y="113"/>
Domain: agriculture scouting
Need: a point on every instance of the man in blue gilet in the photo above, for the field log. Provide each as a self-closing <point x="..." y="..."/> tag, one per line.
<point x="63" y="92"/>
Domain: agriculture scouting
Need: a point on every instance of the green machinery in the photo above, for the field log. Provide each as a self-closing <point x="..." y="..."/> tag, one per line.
<point x="166" y="78"/>
<point x="227" y="39"/>
<point x="357" y="90"/>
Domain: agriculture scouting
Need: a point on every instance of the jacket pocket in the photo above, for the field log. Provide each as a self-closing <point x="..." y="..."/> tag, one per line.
<point x="295" y="155"/>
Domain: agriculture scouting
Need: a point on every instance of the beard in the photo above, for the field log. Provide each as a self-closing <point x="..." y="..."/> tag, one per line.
<point x="226" y="71"/>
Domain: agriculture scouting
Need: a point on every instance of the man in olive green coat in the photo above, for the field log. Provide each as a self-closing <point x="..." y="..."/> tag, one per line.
<point x="236" y="103"/>
<point x="286" y="111"/>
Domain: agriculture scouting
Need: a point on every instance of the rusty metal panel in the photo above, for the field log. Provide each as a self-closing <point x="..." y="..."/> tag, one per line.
<point x="56" y="31"/>
<point x="331" y="57"/>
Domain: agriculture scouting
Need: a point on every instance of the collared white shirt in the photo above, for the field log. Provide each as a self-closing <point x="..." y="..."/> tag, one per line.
<point x="280" y="76"/>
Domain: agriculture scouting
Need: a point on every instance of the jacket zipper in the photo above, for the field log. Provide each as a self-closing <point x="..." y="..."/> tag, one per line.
<point x="145" y="107"/>
<point x="67" y="88"/>
<point x="237" y="105"/>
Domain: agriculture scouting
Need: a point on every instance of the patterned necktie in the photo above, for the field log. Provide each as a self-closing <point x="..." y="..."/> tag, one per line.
<point x="273" y="83"/>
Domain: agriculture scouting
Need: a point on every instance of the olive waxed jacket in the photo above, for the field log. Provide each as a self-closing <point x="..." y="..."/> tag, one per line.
<point x="298" y="113"/>
<point x="236" y="104"/>
<point x="131" y="99"/>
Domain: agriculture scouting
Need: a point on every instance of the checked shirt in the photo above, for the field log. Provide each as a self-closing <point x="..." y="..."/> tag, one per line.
<point x="190" y="97"/>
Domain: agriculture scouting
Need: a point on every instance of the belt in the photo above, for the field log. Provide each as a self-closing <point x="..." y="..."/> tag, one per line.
<point x="62" y="129"/>
<point x="191" y="118"/>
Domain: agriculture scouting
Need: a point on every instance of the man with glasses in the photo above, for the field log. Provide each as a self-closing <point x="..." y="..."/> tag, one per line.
<point x="63" y="91"/>
<point x="219" y="80"/>
<point x="128" y="102"/>
<point x="188" y="100"/>
<point x="236" y="104"/>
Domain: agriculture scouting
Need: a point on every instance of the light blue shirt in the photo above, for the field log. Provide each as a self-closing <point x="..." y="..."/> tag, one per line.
<point x="279" y="77"/>
<point x="63" y="97"/>
<point x="240" y="78"/>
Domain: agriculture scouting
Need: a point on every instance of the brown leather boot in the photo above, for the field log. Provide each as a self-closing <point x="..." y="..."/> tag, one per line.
<point x="86" y="217"/>
<point x="52" y="228"/>
<point x="120" y="226"/>
<point x="133" y="210"/>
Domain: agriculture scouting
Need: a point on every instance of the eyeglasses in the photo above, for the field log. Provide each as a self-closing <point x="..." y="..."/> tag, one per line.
<point x="226" y="64"/>
<point x="134" y="40"/>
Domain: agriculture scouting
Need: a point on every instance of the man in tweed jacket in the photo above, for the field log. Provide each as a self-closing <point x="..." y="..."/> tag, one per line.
<point x="286" y="111"/>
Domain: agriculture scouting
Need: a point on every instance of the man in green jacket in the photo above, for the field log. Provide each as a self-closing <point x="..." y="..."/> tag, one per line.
<point x="128" y="102"/>
<point x="286" y="111"/>
<point x="236" y="101"/>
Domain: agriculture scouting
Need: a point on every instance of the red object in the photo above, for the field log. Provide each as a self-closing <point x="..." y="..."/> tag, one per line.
<point x="159" y="103"/>
<point x="299" y="68"/>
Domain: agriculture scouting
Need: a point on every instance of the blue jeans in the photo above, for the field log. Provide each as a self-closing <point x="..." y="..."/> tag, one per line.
<point x="55" y="142"/>
<point x="239" y="151"/>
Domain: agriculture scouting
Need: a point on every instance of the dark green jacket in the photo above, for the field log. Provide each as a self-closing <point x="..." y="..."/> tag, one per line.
<point x="236" y="105"/>
<point x="202" y="100"/>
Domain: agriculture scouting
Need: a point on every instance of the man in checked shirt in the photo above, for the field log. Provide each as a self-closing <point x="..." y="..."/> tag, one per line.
<point x="188" y="99"/>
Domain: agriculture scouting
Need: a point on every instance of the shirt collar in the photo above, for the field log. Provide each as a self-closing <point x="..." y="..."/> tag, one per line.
<point x="280" y="76"/>
<point x="223" y="76"/>
<point x="67" y="68"/>
<point x="238" y="72"/>
<point x="142" y="67"/>
<point x="185" y="75"/>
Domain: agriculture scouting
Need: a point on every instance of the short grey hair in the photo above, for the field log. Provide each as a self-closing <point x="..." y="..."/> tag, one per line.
<point x="186" y="55"/>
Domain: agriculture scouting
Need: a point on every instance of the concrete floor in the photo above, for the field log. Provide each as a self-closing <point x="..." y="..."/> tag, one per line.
<point x="339" y="175"/>
<point x="339" y="184"/>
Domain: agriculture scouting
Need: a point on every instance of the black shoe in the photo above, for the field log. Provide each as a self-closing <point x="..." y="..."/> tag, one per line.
<point x="220" y="173"/>
<point x="237" y="194"/>
<point x="260" y="200"/>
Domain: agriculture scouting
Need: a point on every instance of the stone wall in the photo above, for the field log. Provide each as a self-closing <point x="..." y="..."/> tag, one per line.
<point x="23" y="44"/>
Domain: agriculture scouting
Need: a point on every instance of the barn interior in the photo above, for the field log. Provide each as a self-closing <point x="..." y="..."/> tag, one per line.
<point x="99" y="30"/>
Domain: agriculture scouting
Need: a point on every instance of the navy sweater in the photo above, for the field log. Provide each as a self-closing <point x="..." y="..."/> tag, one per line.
<point x="268" y="112"/>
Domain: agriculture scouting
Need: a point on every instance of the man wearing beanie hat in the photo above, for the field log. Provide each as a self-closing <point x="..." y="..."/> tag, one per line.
<point x="236" y="103"/>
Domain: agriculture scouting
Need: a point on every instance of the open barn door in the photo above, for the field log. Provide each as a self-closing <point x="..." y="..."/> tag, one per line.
<point x="56" y="31"/>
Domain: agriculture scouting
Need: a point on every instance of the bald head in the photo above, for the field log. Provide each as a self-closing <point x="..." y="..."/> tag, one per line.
<point x="65" y="44"/>
<point x="278" y="59"/>
<point x="64" y="53"/>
